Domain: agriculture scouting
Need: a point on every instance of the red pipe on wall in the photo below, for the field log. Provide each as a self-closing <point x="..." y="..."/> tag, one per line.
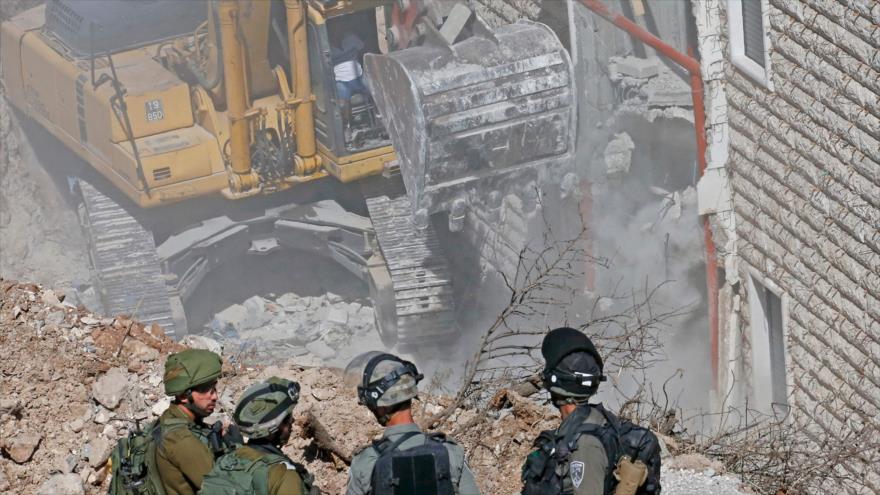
<point x="692" y="65"/>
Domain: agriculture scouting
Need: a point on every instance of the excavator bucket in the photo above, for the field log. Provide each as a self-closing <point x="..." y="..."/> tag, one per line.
<point x="490" y="111"/>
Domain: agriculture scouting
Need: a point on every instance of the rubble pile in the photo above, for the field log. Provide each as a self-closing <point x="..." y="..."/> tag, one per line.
<point x="73" y="383"/>
<point x="319" y="330"/>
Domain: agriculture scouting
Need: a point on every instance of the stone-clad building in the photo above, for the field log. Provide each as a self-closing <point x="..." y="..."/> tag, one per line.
<point x="793" y="190"/>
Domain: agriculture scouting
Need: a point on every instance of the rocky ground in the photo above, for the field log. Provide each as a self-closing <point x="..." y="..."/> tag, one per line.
<point x="74" y="382"/>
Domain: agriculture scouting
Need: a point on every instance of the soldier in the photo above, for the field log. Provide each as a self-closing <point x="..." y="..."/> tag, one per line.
<point x="404" y="461"/>
<point x="591" y="445"/>
<point x="265" y="415"/>
<point x="187" y="446"/>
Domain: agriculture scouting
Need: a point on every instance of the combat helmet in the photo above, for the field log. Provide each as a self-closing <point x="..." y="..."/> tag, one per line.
<point x="383" y="379"/>
<point x="190" y="368"/>
<point x="265" y="406"/>
<point x="573" y="367"/>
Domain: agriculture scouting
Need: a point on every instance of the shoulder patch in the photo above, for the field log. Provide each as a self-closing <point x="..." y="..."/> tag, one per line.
<point x="289" y="466"/>
<point x="576" y="469"/>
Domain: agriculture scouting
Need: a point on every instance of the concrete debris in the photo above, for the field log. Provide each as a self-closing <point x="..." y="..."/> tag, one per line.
<point x="102" y="416"/>
<point x="9" y="406"/>
<point x="20" y="448"/>
<point x="648" y="84"/>
<point x="110" y="388"/>
<point x="202" y="342"/>
<point x="62" y="484"/>
<point x="258" y="312"/>
<point x="695" y="462"/>
<point x="315" y="330"/>
<point x="89" y="320"/>
<point x="618" y="155"/>
<point x="641" y="68"/>
<point x="142" y="352"/>
<point x="76" y="425"/>
<point x="695" y="482"/>
<point x="234" y="317"/>
<point x="321" y="350"/>
<point x="668" y="90"/>
<point x="51" y="299"/>
<point x="160" y="406"/>
<point x="97" y="451"/>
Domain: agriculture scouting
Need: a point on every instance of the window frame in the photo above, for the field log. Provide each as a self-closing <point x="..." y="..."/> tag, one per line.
<point x="765" y="400"/>
<point x="738" y="57"/>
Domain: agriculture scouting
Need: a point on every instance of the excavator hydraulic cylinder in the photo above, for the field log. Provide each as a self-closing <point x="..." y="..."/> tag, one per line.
<point x="307" y="161"/>
<point x="242" y="177"/>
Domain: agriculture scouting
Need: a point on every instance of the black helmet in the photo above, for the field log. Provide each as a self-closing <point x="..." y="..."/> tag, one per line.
<point x="573" y="367"/>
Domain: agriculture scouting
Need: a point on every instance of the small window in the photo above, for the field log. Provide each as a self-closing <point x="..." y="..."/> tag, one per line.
<point x="769" y="376"/>
<point x="749" y="45"/>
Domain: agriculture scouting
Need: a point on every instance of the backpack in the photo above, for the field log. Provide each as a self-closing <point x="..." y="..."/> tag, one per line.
<point x="133" y="463"/>
<point x="235" y="475"/>
<point x="546" y="469"/>
<point x="133" y="460"/>
<point x="421" y="470"/>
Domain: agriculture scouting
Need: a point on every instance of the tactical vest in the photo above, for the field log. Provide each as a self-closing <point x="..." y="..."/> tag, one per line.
<point x="420" y="470"/>
<point x="133" y="460"/>
<point x="235" y="475"/>
<point x="546" y="471"/>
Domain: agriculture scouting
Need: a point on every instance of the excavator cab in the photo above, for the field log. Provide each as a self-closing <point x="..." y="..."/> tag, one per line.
<point x="346" y="121"/>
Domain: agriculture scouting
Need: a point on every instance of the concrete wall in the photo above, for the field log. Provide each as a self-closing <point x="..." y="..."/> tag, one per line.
<point x="801" y="164"/>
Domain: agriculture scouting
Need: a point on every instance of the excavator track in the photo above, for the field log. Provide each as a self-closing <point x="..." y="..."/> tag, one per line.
<point x="124" y="261"/>
<point x="420" y="275"/>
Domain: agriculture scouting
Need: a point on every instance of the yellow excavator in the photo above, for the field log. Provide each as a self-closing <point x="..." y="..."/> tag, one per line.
<point x="193" y="114"/>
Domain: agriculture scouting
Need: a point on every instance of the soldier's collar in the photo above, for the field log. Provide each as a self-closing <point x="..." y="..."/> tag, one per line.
<point x="398" y="429"/>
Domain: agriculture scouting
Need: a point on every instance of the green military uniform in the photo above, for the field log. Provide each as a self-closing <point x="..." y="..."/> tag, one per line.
<point x="360" y="474"/>
<point x="283" y="476"/>
<point x="183" y="455"/>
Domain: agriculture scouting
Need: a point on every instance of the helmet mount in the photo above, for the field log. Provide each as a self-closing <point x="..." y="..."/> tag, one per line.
<point x="369" y="392"/>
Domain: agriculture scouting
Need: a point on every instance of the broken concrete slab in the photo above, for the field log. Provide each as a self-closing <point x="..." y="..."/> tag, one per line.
<point x="338" y="316"/>
<point x="234" y="316"/>
<point x="22" y="447"/>
<point x="320" y="350"/>
<point x="638" y="67"/>
<point x="111" y="387"/>
<point x="668" y="90"/>
<point x="136" y="349"/>
<point x="455" y="22"/>
<point x="102" y="416"/>
<point x="9" y="406"/>
<point x="292" y="303"/>
<point x="618" y="155"/>
<point x="62" y="484"/>
<point x="258" y="311"/>
<point x="160" y="407"/>
<point x="97" y="451"/>
<point x="202" y="342"/>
